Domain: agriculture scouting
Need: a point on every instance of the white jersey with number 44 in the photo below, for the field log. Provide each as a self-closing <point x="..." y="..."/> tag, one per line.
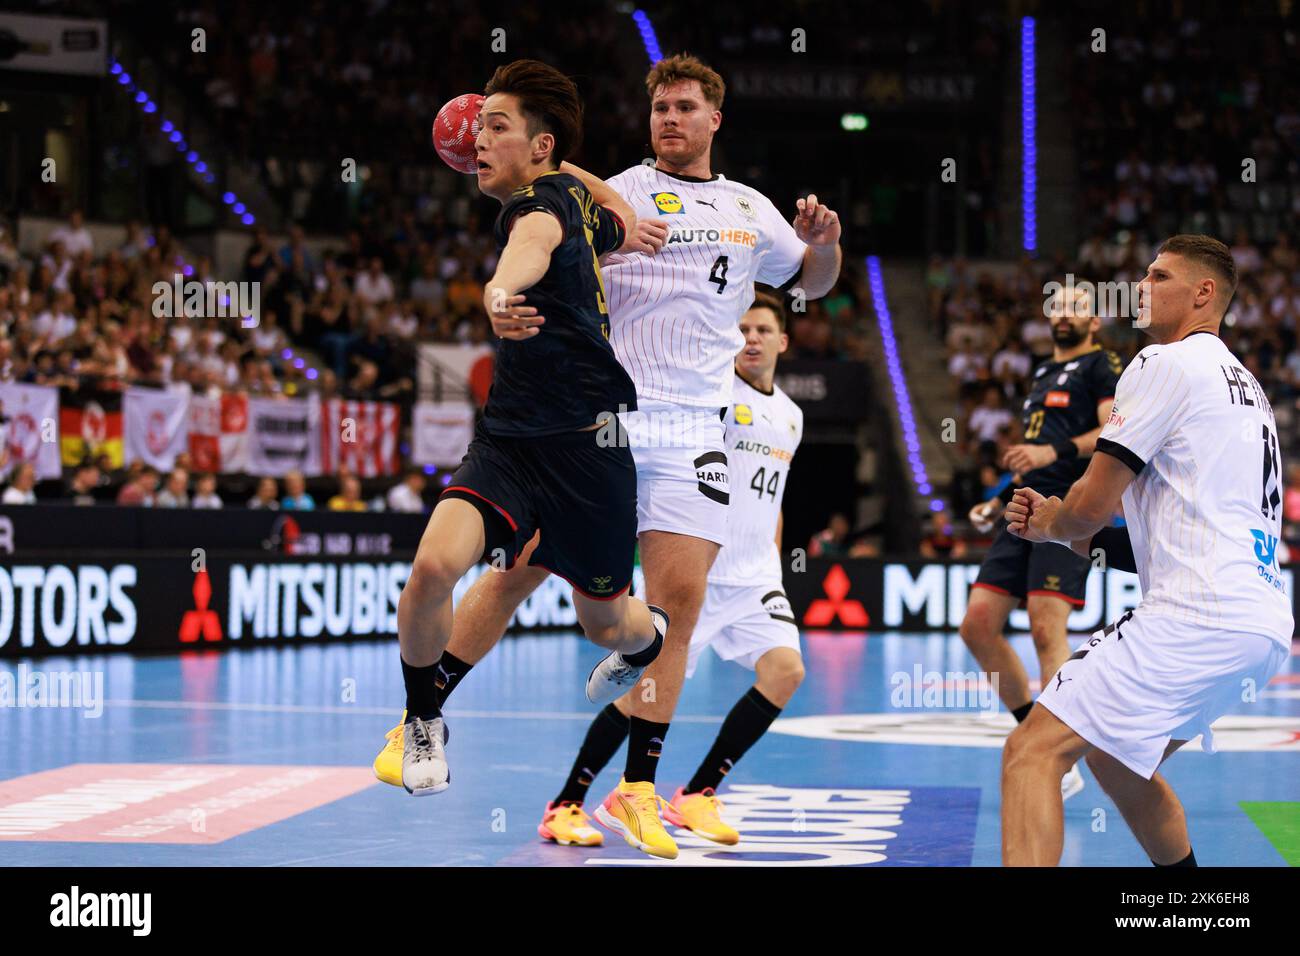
<point x="763" y="430"/>
<point x="1205" y="510"/>
<point x="674" y="316"/>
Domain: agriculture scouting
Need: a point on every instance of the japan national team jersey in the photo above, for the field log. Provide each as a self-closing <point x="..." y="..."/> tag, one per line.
<point x="675" y="315"/>
<point x="1205" y="510"/>
<point x="762" y="432"/>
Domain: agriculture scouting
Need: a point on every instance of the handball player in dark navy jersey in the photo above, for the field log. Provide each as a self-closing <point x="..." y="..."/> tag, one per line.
<point x="1069" y="400"/>
<point x="540" y="461"/>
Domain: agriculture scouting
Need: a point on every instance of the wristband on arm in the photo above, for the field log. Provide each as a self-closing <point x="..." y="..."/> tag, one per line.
<point x="1065" y="449"/>
<point x="1117" y="546"/>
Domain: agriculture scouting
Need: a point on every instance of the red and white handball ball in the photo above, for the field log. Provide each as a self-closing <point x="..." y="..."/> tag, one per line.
<point x="455" y="130"/>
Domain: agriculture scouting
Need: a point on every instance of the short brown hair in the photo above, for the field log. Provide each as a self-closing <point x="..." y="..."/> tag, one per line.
<point x="771" y="301"/>
<point x="548" y="99"/>
<point x="1205" y="251"/>
<point x="681" y="67"/>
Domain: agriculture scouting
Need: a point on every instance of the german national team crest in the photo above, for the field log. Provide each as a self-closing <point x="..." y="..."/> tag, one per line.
<point x="667" y="203"/>
<point x="746" y="207"/>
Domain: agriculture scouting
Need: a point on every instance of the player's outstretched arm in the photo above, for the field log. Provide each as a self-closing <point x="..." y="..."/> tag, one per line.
<point x="604" y="195"/>
<point x="523" y="262"/>
<point x="818" y="226"/>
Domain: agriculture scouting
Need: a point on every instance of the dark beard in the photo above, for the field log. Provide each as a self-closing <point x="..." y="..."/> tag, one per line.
<point x="1068" y="338"/>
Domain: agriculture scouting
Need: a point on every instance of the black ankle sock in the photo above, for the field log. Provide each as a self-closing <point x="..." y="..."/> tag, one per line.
<point x="1189" y="860"/>
<point x="1021" y="712"/>
<point x="645" y="739"/>
<point x="451" y="671"/>
<point x="604" y="737"/>
<point x="421" y="691"/>
<point x="748" y="721"/>
<point x="644" y="658"/>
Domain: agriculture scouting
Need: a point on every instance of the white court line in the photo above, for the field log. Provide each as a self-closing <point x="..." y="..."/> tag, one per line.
<point x="376" y="711"/>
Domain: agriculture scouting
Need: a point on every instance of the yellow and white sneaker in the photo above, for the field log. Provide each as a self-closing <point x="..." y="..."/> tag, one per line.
<point x="632" y="810"/>
<point x="568" y="825"/>
<point x="698" y="812"/>
<point x="388" y="765"/>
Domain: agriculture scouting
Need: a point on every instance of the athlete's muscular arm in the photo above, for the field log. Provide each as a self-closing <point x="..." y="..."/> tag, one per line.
<point x="1085" y="511"/>
<point x="819" y="227"/>
<point x="780" y="527"/>
<point x="1027" y="457"/>
<point x="604" y="195"/>
<point x="523" y="262"/>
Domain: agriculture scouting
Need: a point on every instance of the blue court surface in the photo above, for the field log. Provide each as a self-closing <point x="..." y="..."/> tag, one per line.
<point x="261" y="757"/>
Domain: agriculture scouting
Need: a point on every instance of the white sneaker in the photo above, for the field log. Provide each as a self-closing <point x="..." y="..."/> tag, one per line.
<point x="613" y="676"/>
<point x="1071" y="783"/>
<point x="424" y="761"/>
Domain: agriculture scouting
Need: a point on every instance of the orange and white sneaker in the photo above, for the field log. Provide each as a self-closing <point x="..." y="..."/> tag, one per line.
<point x="568" y="825"/>
<point x="632" y="810"/>
<point x="388" y="765"/>
<point x="698" y="812"/>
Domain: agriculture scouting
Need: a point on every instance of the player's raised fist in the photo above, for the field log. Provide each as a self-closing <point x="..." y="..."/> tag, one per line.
<point x="1028" y="513"/>
<point x="816" y="224"/>
<point x="648" y="236"/>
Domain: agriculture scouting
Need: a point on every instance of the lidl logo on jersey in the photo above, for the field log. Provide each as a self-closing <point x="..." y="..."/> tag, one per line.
<point x="667" y="203"/>
<point x="744" y="415"/>
<point x="832" y="826"/>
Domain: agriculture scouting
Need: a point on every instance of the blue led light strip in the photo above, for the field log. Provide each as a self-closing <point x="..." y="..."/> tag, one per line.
<point x="898" y="381"/>
<point x="1028" y="138"/>
<point x="648" y="38"/>
<point x="168" y="129"/>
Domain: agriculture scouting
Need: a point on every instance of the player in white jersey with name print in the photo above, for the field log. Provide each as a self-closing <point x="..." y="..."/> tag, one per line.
<point x="675" y="305"/>
<point x="1191" y="450"/>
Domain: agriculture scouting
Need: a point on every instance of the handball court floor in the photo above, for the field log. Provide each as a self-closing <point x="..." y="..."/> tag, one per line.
<point x="261" y="757"/>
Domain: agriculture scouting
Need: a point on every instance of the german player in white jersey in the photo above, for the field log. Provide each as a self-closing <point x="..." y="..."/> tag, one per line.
<point x="675" y="297"/>
<point x="1191" y="450"/>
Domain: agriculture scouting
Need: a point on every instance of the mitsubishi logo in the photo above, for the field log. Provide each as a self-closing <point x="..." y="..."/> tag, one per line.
<point x="824" y="611"/>
<point x="201" y="620"/>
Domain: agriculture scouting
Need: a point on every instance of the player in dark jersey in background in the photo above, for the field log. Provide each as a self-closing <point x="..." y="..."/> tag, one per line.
<point x="536" y="463"/>
<point x="1068" y="402"/>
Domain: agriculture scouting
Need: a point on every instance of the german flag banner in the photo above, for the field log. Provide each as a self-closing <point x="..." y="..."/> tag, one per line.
<point x="90" y="424"/>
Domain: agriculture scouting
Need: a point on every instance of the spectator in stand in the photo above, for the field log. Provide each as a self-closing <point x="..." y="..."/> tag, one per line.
<point x="295" y="493"/>
<point x="989" y="417"/>
<point x="939" y="541"/>
<point x="20" y="490"/>
<point x="267" y="496"/>
<point x="833" y="541"/>
<point x="81" y="490"/>
<point x="74" y="237"/>
<point x="408" y="494"/>
<point x="349" y="496"/>
<point x="140" y="488"/>
<point x="205" y="492"/>
<point x="175" y="493"/>
<point x="373" y="287"/>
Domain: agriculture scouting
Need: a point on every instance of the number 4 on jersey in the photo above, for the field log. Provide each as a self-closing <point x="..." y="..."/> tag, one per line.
<point x="772" y="485"/>
<point x="718" y="273"/>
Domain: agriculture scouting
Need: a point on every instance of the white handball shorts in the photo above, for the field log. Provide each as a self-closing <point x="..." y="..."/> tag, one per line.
<point x="743" y="622"/>
<point x="1148" y="679"/>
<point x="682" y="480"/>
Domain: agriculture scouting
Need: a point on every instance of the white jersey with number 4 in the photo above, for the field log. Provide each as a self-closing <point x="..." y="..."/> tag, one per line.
<point x="1205" y="510"/>
<point x="762" y="432"/>
<point x="674" y="316"/>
